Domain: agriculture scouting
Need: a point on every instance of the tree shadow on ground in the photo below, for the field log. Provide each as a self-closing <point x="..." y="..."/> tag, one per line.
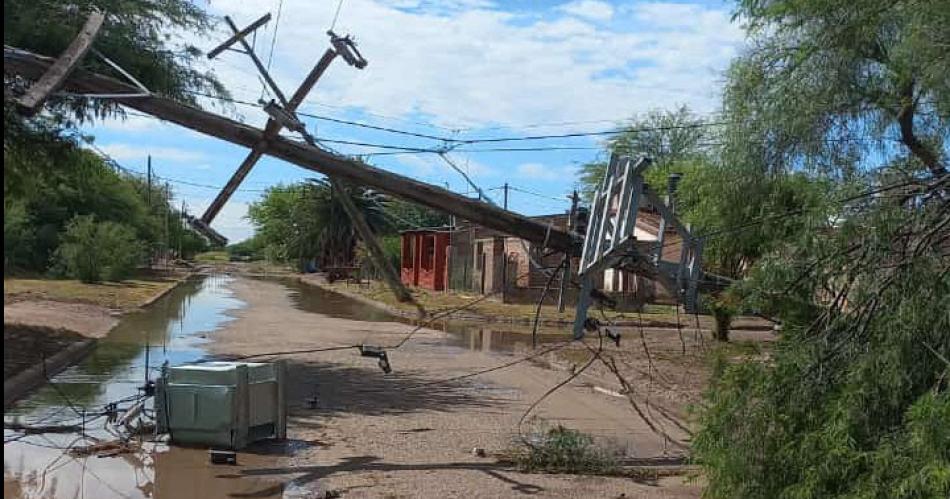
<point x="310" y="474"/>
<point x="325" y="389"/>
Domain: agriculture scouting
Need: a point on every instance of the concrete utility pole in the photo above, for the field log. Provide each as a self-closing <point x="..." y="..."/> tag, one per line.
<point x="181" y="232"/>
<point x="284" y="116"/>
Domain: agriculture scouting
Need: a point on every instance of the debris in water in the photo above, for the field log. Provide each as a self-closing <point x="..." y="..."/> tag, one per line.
<point x="105" y="449"/>
<point x="223" y="457"/>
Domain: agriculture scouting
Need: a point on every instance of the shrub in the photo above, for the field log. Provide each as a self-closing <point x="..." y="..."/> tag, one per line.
<point x="563" y="450"/>
<point x="93" y="251"/>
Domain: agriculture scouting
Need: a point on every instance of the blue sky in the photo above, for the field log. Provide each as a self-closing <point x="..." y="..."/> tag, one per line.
<point x="462" y="69"/>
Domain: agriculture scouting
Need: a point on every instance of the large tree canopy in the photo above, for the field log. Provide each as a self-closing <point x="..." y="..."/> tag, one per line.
<point x="306" y="221"/>
<point x="854" y="399"/>
<point x="841" y="85"/>
<point x="48" y="179"/>
<point x="674" y="140"/>
<point x="139" y="35"/>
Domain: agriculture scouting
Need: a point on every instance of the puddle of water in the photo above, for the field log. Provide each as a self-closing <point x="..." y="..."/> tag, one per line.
<point x="174" y="330"/>
<point x="504" y="338"/>
<point x="174" y="327"/>
<point x="320" y="301"/>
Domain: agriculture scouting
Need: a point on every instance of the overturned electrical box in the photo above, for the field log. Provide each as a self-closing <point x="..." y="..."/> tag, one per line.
<point x="222" y="404"/>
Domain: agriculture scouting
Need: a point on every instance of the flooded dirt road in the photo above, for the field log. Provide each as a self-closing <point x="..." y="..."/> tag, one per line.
<point x="173" y="330"/>
<point x="353" y="429"/>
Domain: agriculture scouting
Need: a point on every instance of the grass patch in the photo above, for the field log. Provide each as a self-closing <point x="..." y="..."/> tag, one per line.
<point x="563" y="450"/>
<point x="212" y="257"/>
<point x="122" y="295"/>
<point x="512" y="312"/>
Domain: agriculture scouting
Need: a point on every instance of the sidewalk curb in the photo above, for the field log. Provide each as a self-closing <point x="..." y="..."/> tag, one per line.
<point x="28" y="380"/>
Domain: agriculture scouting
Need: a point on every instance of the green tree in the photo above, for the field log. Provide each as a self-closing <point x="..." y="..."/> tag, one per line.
<point x="45" y="170"/>
<point x="306" y="221"/>
<point x="51" y="179"/>
<point x="252" y="248"/>
<point x="854" y="399"/>
<point x="17" y="236"/>
<point x="675" y="140"/>
<point x="831" y="84"/>
<point x="404" y="215"/>
<point x="137" y="35"/>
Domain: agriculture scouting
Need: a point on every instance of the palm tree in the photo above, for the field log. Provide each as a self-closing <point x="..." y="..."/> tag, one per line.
<point x="325" y="231"/>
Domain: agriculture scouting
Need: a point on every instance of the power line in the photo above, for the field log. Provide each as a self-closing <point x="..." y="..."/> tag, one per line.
<point x="273" y="43"/>
<point x="538" y="194"/>
<point x="458" y="144"/>
<point x="375" y="127"/>
<point x="336" y="15"/>
<point x="115" y="164"/>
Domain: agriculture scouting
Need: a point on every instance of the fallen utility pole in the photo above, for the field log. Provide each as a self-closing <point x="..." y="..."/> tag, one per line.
<point x="285" y="117"/>
<point x="272" y="128"/>
<point x="53" y="78"/>
<point x="31" y="65"/>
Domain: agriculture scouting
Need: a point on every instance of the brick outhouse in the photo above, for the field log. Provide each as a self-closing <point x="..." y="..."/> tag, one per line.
<point x="423" y="262"/>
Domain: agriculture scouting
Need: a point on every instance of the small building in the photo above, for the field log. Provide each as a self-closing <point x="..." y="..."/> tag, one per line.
<point x="423" y="258"/>
<point x="471" y="258"/>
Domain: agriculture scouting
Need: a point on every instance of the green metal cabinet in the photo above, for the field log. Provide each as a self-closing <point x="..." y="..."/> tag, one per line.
<point x="222" y="404"/>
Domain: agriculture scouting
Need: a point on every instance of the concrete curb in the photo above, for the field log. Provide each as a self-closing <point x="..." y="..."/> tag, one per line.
<point x="28" y="380"/>
<point x="158" y="296"/>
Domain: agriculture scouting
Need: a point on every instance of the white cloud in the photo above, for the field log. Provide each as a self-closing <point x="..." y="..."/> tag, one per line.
<point x="131" y="152"/>
<point x="477" y="65"/>
<point x="132" y="123"/>
<point x="417" y="165"/>
<point x="538" y="171"/>
<point x="589" y="9"/>
<point x="430" y="165"/>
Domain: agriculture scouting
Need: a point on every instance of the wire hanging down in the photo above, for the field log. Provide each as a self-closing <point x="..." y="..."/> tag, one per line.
<point x="336" y="15"/>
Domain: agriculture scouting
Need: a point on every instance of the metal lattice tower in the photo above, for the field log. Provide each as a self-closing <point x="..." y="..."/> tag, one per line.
<point x="611" y="241"/>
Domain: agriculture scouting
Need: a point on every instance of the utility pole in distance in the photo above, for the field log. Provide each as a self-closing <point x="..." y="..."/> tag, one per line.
<point x="166" y="249"/>
<point x="181" y="230"/>
<point x="148" y="193"/>
<point x="504" y="256"/>
<point x="566" y="276"/>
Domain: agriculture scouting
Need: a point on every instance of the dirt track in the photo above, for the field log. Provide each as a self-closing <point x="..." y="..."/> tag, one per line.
<point x="373" y="435"/>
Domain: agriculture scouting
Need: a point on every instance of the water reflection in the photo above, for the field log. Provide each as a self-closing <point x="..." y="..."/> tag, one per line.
<point x="473" y="336"/>
<point x="171" y="330"/>
<point x="320" y="301"/>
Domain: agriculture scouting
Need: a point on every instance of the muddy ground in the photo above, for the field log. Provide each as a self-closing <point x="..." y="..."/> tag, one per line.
<point x="88" y="320"/>
<point x="376" y="435"/>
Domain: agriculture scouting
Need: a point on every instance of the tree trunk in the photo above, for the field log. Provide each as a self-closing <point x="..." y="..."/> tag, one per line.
<point x="723" y="321"/>
<point x="905" y="118"/>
